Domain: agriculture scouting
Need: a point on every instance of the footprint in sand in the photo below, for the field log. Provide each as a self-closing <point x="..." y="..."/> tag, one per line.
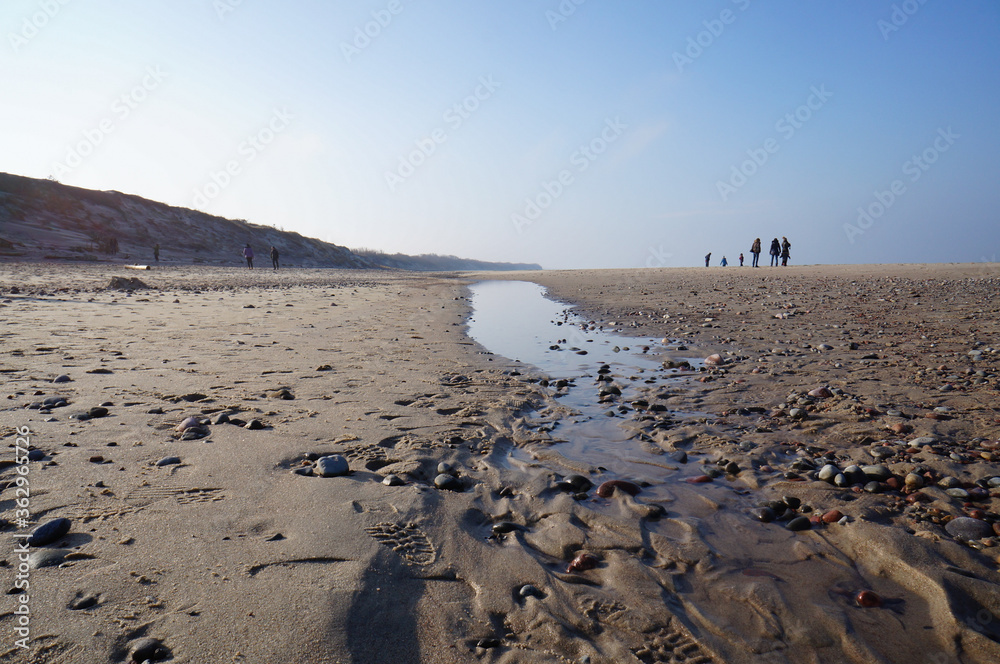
<point x="671" y="645"/>
<point x="407" y="540"/>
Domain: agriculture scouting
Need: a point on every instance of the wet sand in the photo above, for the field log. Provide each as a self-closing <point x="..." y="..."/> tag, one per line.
<point x="237" y="551"/>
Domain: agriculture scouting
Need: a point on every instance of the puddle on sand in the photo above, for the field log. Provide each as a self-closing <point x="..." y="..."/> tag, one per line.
<point x="515" y="319"/>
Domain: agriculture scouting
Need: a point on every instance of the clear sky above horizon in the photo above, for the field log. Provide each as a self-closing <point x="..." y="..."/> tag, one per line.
<point x="570" y="133"/>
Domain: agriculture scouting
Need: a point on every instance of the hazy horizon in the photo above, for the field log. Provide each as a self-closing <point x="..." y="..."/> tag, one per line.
<point x="569" y="133"/>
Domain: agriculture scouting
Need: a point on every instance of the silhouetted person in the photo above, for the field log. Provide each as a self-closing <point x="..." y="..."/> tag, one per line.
<point x="248" y="254"/>
<point x="755" y="250"/>
<point x="274" y="258"/>
<point x="724" y="262"/>
<point x="708" y="258"/>
<point x="741" y="259"/>
<point x="785" y="247"/>
<point x="156" y="252"/>
<point x="775" y="252"/>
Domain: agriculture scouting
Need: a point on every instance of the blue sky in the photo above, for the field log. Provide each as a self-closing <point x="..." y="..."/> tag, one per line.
<point x="571" y="133"/>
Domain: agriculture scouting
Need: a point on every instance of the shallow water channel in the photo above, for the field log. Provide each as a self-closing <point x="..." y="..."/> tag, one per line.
<point x="515" y="319"/>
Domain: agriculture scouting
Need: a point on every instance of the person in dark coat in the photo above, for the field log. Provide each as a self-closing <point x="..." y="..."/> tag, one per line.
<point x="755" y="250"/>
<point x="708" y="258"/>
<point x="274" y="257"/>
<point x="785" y="247"/>
<point x="775" y="252"/>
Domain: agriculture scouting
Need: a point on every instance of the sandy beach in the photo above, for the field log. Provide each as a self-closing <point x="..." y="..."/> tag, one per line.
<point x="815" y="472"/>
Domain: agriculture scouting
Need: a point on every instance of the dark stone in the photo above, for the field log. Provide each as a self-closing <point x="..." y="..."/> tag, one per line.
<point x="965" y="527"/>
<point x="98" y="411"/>
<point x="49" y="532"/>
<point x="763" y="514"/>
<point x="799" y="523"/>
<point x="147" y="648"/>
<point x="447" y="482"/>
<point x="254" y="425"/>
<point x="169" y="461"/>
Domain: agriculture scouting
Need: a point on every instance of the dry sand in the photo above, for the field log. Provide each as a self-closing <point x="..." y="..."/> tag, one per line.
<point x="231" y="556"/>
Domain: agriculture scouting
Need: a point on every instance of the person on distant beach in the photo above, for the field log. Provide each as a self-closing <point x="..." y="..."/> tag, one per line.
<point x="741" y="259"/>
<point x="156" y="252"/>
<point x="274" y="258"/>
<point x="775" y="252"/>
<point x="708" y="257"/>
<point x="755" y="250"/>
<point x="248" y="254"/>
<point x="724" y="262"/>
<point x="785" y="246"/>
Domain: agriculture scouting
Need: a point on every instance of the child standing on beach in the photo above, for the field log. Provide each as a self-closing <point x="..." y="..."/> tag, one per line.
<point x="248" y="254"/>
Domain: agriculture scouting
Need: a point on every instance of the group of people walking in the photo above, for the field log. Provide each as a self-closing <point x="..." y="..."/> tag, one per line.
<point x="248" y="255"/>
<point x="778" y="250"/>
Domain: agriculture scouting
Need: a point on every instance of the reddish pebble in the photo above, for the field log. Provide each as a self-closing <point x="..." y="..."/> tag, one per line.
<point x="582" y="562"/>
<point x="868" y="599"/>
<point x="701" y="479"/>
<point x="901" y="428"/>
<point x="977" y="514"/>
<point x="917" y="497"/>
<point x="996" y="527"/>
<point x="608" y="488"/>
<point x="815" y="520"/>
<point x="833" y="516"/>
<point x="934" y="416"/>
<point x="894" y="483"/>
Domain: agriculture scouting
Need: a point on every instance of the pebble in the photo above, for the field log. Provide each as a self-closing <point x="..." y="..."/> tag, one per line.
<point x="913" y="481"/>
<point x="854" y="474"/>
<point x="868" y="599"/>
<point x="528" y="590"/>
<point x="608" y="488"/>
<point x="147" y="648"/>
<point x="62" y="379"/>
<point x="332" y="466"/>
<point x="446" y="468"/>
<point x="994" y="482"/>
<point x="188" y="423"/>
<point x="879" y="473"/>
<point x="882" y="452"/>
<point x="714" y="359"/>
<point x="763" y="514"/>
<point x="582" y="562"/>
<point x="36" y="455"/>
<point x="797" y="414"/>
<point x="821" y="393"/>
<point x="221" y="418"/>
<point x="841" y="480"/>
<point x="799" y="523"/>
<point x="958" y="492"/>
<point x="828" y="472"/>
<point x="833" y="516"/>
<point x="923" y="440"/>
<point x="967" y="528"/>
<point x="680" y="456"/>
<point x="47" y="558"/>
<point x="254" y="425"/>
<point x="447" y="482"/>
<point x="168" y="461"/>
<point x="393" y="480"/>
<point x="49" y="532"/>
